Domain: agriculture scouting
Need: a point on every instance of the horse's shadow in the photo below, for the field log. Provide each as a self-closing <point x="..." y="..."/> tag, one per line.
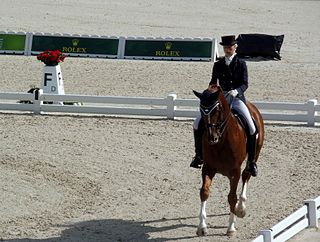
<point x="121" y="230"/>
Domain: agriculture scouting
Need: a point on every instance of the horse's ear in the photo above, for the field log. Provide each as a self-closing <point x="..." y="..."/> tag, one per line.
<point x="198" y="94"/>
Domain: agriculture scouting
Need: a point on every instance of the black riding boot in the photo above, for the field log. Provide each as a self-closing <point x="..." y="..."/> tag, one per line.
<point x="197" y="160"/>
<point x="252" y="146"/>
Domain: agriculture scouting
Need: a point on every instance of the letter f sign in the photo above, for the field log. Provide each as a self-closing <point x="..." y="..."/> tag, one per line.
<point x="47" y="77"/>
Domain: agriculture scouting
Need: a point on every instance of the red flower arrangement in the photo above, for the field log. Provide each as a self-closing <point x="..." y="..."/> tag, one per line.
<point x="51" y="57"/>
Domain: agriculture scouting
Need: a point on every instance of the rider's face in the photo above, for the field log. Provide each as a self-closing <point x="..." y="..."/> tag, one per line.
<point x="229" y="50"/>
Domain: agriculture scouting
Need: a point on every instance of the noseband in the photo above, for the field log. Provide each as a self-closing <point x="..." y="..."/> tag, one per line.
<point x="219" y="125"/>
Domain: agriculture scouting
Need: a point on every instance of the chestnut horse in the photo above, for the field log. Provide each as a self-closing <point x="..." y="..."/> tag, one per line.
<point x="224" y="150"/>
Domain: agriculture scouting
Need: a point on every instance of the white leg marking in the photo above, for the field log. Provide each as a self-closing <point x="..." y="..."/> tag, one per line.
<point x="244" y="192"/>
<point x="231" y="227"/>
<point x="240" y="206"/>
<point x="203" y="215"/>
<point x="202" y="228"/>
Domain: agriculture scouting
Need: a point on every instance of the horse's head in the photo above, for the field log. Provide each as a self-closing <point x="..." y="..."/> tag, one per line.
<point x="215" y="112"/>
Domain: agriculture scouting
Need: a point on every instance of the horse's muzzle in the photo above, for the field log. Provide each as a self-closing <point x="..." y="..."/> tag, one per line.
<point x="213" y="140"/>
<point x="213" y="137"/>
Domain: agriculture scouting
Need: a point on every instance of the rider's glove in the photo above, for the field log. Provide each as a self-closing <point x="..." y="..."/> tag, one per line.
<point x="233" y="92"/>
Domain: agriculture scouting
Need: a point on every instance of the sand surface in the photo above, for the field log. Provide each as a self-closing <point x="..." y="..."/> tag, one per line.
<point x="67" y="178"/>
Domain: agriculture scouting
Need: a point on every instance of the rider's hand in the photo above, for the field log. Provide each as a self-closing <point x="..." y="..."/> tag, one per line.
<point x="233" y="92"/>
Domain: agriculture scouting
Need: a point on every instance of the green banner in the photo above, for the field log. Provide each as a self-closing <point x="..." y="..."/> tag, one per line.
<point x="12" y="42"/>
<point x="76" y="45"/>
<point x="168" y="49"/>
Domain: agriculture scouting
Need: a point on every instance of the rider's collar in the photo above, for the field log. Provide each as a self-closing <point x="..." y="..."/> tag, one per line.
<point x="229" y="59"/>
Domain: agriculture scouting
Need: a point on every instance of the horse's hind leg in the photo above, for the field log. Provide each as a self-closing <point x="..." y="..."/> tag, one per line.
<point x="232" y="199"/>
<point x="207" y="176"/>
<point x="241" y="207"/>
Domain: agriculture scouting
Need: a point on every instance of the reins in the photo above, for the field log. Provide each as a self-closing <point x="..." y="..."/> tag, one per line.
<point x="220" y="125"/>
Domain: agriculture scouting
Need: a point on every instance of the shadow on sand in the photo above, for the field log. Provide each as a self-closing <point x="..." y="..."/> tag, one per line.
<point x="122" y="230"/>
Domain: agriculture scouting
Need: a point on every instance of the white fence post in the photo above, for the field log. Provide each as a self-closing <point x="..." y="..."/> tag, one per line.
<point x="267" y="235"/>
<point x="312" y="213"/>
<point x="28" y="44"/>
<point x="170" y="105"/>
<point x="311" y="111"/>
<point x="121" y="47"/>
<point x="214" y="52"/>
<point x="37" y="101"/>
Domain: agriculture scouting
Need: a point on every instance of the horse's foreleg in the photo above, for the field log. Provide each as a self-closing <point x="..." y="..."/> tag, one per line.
<point x="231" y="227"/>
<point x="204" y="194"/>
<point x="202" y="228"/>
<point x="241" y="207"/>
<point x="232" y="199"/>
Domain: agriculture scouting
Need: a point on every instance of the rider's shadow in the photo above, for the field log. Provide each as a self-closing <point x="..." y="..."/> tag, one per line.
<point x="118" y="230"/>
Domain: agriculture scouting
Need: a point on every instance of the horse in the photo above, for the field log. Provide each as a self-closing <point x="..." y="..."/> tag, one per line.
<point x="224" y="151"/>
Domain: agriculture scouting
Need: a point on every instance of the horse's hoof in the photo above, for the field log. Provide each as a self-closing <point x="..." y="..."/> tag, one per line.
<point x="231" y="232"/>
<point x="240" y="213"/>
<point x="202" y="231"/>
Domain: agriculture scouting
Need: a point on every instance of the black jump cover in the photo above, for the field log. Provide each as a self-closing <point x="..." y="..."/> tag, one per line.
<point x="253" y="45"/>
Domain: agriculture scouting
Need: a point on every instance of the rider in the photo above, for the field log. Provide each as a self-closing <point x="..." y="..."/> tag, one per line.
<point x="232" y="74"/>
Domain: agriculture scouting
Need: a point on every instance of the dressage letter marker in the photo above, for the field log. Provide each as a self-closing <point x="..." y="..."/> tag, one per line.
<point x="52" y="82"/>
<point x="46" y="78"/>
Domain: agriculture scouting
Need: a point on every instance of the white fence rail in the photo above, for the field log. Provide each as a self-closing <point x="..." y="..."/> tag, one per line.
<point x="170" y="107"/>
<point x="305" y="217"/>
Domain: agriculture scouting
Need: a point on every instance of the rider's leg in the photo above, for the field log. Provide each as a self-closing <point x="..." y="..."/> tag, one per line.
<point x="252" y="143"/>
<point x="197" y="132"/>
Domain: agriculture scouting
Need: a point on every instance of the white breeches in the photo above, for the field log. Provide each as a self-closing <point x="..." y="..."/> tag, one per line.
<point x="238" y="105"/>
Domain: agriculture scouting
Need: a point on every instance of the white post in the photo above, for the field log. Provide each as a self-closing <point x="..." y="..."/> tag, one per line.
<point x="37" y="101"/>
<point x="28" y="44"/>
<point x="312" y="213"/>
<point x="214" y="51"/>
<point x="267" y="235"/>
<point x="121" y="47"/>
<point x="170" y="105"/>
<point x="311" y="111"/>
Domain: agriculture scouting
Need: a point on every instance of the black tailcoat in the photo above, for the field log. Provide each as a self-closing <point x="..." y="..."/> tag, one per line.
<point x="234" y="76"/>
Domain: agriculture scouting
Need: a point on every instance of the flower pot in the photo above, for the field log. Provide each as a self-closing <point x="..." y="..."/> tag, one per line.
<point x="52" y="64"/>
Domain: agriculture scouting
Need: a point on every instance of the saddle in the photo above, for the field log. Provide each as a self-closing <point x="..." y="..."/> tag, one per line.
<point x="242" y="121"/>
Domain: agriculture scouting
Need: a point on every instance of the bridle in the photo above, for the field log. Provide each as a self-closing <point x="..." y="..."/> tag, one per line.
<point x="220" y="125"/>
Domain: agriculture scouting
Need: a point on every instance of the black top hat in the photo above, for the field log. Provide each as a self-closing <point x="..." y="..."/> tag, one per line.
<point x="228" y="40"/>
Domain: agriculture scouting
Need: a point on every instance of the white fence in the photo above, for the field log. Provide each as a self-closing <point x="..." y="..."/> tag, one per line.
<point x="170" y="107"/>
<point x="305" y="217"/>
